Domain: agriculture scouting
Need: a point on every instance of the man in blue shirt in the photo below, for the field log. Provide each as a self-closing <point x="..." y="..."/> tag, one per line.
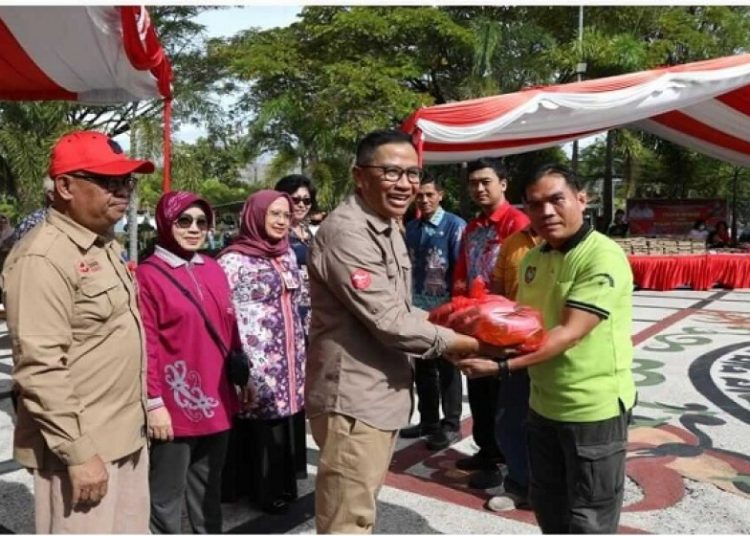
<point x="434" y="241"/>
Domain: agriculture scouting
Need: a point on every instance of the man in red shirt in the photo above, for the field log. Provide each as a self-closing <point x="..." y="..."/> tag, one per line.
<point x="480" y="246"/>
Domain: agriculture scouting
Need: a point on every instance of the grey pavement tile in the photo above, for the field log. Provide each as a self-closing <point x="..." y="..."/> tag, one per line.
<point x="699" y="451"/>
<point x="639" y="326"/>
<point x="664" y="302"/>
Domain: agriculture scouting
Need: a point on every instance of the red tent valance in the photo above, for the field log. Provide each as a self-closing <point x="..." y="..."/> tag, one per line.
<point x="702" y="105"/>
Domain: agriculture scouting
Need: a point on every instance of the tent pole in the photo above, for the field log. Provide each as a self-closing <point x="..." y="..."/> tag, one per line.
<point x="133" y="206"/>
<point x="735" y="180"/>
<point x="608" y="190"/>
<point x="580" y="69"/>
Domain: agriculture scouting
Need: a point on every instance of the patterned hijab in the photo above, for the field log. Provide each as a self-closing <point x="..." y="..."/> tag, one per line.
<point x="168" y="209"/>
<point x="253" y="240"/>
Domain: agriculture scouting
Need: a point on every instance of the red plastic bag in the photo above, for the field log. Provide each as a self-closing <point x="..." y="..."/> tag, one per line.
<point x="492" y="319"/>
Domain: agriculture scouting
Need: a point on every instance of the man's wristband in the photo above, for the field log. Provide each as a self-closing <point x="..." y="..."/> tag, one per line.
<point x="503" y="370"/>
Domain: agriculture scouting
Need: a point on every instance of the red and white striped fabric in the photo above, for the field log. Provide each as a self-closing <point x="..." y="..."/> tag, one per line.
<point x="95" y="55"/>
<point x="90" y="54"/>
<point x="703" y="106"/>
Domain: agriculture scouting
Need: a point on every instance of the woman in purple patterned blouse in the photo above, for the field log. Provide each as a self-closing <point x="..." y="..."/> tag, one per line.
<point x="268" y="451"/>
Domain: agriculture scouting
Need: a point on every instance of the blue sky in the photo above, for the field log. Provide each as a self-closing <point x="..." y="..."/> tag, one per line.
<point x="228" y="21"/>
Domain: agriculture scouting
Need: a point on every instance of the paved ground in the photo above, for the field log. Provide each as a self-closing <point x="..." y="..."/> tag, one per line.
<point x="689" y="454"/>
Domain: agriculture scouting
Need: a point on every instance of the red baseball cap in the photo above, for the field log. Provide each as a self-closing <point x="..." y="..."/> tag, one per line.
<point x="94" y="152"/>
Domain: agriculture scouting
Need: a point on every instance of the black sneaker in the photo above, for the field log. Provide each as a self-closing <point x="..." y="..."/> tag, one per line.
<point x="485" y="479"/>
<point x="442" y="439"/>
<point x="476" y="462"/>
<point x="418" y="430"/>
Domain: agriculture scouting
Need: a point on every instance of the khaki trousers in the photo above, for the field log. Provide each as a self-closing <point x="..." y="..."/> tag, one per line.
<point x="123" y="510"/>
<point x="354" y="460"/>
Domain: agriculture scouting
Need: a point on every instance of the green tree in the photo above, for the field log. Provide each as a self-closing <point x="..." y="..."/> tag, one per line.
<point x="317" y="86"/>
<point x="27" y="131"/>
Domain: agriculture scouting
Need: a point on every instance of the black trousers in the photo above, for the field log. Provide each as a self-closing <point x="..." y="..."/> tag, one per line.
<point x="189" y="469"/>
<point x="483" y="404"/>
<point x="266" y="457"/>
<point x="510" y="430"/>
<point x="438" y="384"/>
<point x="577" y="473"/>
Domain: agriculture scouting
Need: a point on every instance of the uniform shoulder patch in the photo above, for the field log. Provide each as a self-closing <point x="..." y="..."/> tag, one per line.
<point x="361" y="279"/>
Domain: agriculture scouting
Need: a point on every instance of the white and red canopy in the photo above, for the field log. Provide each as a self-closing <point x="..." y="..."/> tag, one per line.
<point x="96" y="55"/>
<point x="89" y="54"/>
<point x="703" y="106"/>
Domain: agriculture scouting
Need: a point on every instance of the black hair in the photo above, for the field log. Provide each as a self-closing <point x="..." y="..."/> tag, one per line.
<point x="369" y="144"/>
<point x="493" y="163"/>
<point x="697" y="224"/>
<point x="291" y="183"/>
<point x="431" y="179"/>
<point x="571" y="179"/>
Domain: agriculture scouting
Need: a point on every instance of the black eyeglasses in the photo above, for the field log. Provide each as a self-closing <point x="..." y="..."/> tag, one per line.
<point x="111" y="184"/>
<point x="307" y="201"/>
<point x="394" y="173"/>
<point x="186" y="222"/>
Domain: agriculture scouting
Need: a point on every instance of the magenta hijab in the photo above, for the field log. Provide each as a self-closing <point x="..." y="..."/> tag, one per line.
<point x="168" y="209"/>
<point x="253" y="240"/>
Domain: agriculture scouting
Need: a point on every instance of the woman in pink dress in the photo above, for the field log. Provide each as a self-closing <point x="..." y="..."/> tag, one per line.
<point x="190" y="399"/>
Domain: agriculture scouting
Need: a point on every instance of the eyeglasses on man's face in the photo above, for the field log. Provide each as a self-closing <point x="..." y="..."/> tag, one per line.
<point x="110" y="183"/>
<point x="394" y="173"/>
<point x="307" y="201"/>
<point x="185" y="221"/>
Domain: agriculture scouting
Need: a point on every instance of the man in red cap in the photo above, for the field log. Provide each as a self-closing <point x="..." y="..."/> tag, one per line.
<point x="78" y="348"/>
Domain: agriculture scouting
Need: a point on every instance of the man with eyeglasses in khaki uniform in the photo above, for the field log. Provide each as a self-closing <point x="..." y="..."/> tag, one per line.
<point x="364" y="333"/>
<point x="78" y="348"/>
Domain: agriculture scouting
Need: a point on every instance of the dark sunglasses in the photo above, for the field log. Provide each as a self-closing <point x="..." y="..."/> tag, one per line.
<point x="111" y="184"/>
<point x="307" y="201"/>
<point x="186" y="222"/>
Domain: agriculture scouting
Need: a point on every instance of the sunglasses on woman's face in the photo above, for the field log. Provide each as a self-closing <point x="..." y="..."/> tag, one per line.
<point x="307" y="201"/>
<point x="186" y="222"/>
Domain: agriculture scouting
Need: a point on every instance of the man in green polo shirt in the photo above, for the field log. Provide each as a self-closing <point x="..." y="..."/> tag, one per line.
<point x="582" y="389"/>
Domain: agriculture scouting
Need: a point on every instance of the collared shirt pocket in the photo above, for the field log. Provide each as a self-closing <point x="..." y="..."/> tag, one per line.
<point x="98" y="300"/>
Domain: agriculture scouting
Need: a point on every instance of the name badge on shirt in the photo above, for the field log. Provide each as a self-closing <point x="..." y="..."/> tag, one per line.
<point x="290" y="282"/>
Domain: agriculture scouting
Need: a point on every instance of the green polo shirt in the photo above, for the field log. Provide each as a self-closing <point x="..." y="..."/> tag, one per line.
<point x="587" y="382"/>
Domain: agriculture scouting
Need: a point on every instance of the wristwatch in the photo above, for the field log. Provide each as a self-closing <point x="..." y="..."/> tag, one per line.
<point x="503" y="371"/>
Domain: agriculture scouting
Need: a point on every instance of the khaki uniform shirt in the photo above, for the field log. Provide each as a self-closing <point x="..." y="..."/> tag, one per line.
<point x="364" y="330"/>
<point x="77" y="347"/>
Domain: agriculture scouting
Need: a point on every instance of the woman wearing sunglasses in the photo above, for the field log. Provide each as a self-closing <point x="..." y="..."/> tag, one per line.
<point x="268" y="448"/>
<point x="190" y="399"/>
<point x="302" y="193"/>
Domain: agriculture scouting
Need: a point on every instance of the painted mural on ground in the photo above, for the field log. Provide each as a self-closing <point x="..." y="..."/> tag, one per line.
<point x="690" y="423"/>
